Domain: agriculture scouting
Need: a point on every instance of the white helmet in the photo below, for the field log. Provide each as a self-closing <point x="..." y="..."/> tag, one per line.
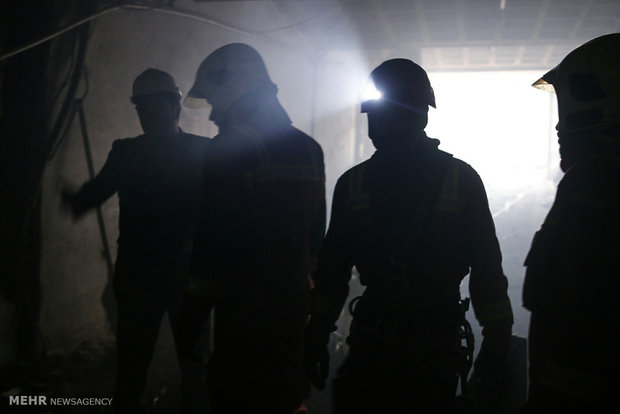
<point x="153" y="81"/>
<point x="226" y="75"/>
<point x="587" y="83"/>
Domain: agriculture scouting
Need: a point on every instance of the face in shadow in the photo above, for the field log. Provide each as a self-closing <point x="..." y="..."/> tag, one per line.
<point x="391" y="126"/>
<point x="159" y="115"/>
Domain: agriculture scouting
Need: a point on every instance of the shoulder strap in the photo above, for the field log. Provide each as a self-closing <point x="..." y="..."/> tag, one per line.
<point x="357" y="198"/>
<point x="445" y="183"/>
<point x="448" y="198"/>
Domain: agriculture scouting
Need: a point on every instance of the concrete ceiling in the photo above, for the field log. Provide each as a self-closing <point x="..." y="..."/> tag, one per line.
<point x="445" y="34"/>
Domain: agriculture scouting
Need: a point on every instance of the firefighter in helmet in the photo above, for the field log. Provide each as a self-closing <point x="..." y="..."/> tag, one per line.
<point x="157" y="176"/>
<point x="257" y="240"/>
<point x="414" y="221"/>
<point x="572" y="279"/>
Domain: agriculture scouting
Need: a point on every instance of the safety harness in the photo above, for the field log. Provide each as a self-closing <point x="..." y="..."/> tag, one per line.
<point x="445" y="197"/>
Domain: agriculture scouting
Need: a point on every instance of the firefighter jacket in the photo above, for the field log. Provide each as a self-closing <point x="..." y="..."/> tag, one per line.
<point x="262" y="225"/>
<point x="159" y="187"/>
<point x="572" y="283"/>
<point x="265" y="211"/>
<point x="420" y="213"/>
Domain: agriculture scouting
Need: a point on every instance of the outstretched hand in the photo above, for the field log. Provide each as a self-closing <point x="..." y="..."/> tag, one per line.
<point x="66" y="201"/>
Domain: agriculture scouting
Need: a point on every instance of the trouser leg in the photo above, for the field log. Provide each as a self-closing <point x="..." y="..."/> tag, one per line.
<point x="408" y="373"/>
<point x="194" y="398"/>
<point x="140" y="311"/>
<point x="391" y="392"/>
<point x="257" y="363"/>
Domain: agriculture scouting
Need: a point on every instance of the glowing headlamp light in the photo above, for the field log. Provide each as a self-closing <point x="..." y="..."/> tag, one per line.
<point x="371" y="96"/>
<point x="371" y="93"/>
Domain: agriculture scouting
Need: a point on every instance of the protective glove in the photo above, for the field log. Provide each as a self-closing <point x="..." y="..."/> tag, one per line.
<point x="66" y="202"/>
<point x="493" y="373"/>
<point x="316" y="363"/>
<point x="493" y="355"/>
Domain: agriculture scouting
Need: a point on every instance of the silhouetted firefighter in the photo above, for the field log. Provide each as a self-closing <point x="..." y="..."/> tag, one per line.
<point x="573" y="267"/>
<point x="260" y="234"/>
<point x="158" y="180"/>
<point x="414" y="221"/>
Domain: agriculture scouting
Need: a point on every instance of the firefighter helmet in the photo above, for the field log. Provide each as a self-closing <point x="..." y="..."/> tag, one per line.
<point x="152" y="82"/>
<point x="402" y="82"/>
<point x="587" y="84"/>
<point x="226" y="75"/>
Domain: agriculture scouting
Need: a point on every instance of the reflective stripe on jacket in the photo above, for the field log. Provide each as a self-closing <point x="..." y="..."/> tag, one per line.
<point x="380" y="210"/>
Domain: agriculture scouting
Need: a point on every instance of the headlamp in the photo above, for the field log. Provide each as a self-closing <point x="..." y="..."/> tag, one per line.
<point x="371" y="97"/>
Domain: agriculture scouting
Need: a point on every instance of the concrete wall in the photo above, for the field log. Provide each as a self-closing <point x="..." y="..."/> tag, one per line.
<point x="318" y="91"/>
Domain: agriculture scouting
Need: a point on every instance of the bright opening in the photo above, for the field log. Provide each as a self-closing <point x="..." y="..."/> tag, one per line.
<point x="505" y="129"/>
<point x="499" y="124"/>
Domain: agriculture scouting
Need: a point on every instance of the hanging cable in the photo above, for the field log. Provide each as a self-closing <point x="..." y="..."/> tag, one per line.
<point x="191" y="15"/>
<point x="58" y="33"/>
<point x="69" y="122"/>
<point x="168" y="10"/>
<point x="65" y="111"/>
<point x="107" y="255"/>
<point x="82" y="40"/>
<point x="300" y="22"/>
<point x="135" y="7"/>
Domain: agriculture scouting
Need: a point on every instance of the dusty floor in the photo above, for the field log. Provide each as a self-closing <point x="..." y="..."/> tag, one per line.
<point x="89" y="372"/>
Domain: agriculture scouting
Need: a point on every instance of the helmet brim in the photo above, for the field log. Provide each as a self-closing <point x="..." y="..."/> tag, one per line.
<point x="545" y="83"/>
<point x="374" y="104"/>
<point x="195" y="99"/>
<point x="194" y="102"/>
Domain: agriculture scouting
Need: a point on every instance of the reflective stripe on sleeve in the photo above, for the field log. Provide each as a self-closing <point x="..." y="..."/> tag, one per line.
<point x="449" y="199"/>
